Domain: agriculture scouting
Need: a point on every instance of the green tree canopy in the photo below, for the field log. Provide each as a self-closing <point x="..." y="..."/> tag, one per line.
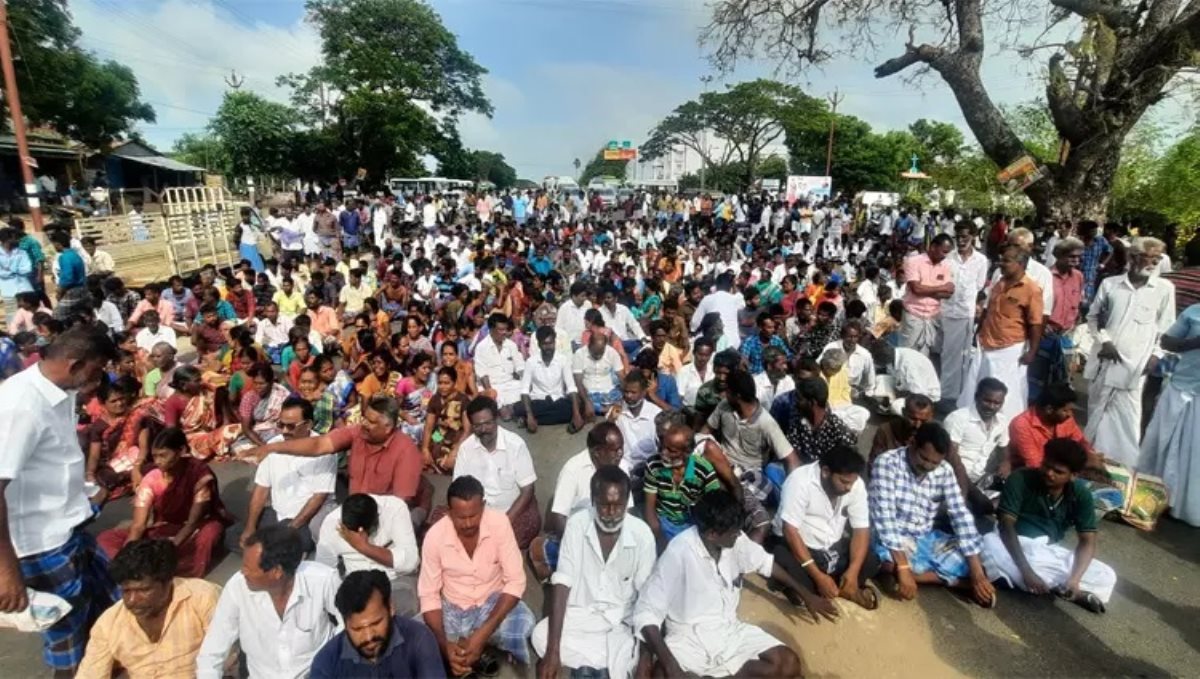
<point x="202" y="150"/>
<point x="256" y="134"/>
<point x="65" y="86"/>
<point x="599" y="167"/>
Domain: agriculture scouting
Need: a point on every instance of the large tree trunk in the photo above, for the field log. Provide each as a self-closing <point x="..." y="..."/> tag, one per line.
<point x="1079" y="188"/>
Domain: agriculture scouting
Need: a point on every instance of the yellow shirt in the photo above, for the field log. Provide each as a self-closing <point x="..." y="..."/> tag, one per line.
<point x="289" y="306"/>
<point x="670" y="359"/>
<point x="118" y="640"/>
<point x="839" y="387"/>
<point x="354" y="297"/>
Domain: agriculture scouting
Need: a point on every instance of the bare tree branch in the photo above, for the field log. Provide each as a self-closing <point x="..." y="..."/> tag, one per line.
<point x="1114" y="14"/>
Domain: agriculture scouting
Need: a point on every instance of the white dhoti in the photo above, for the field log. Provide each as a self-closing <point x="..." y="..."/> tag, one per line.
<point x="590" y="640"/>
<point x="717" y="650"/>
<point x="854" y="416"/>
<point x="507" y="393"/>
<point x="1052" y="563"/>
<point x="1004" y="365"/>
<point x="957" y="334"/>
<point x="921" y="334"/>
<point x="1115" y="420"/>
<point x="1171" y="451"/>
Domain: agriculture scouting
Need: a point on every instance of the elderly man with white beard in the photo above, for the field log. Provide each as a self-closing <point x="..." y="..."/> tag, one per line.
<point x="1127" y="317"/>
<point x="605" y="558"/>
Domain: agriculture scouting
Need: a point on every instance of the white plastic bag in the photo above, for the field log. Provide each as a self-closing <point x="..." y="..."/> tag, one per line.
<point x="42" y="612"/>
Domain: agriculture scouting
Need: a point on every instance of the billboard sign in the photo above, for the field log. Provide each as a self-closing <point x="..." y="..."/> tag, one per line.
<point x="620" y="150"/>
<point x="802" y="187"/>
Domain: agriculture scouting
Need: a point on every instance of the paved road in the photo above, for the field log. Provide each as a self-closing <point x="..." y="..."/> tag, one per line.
<point x="1152" y="628"/>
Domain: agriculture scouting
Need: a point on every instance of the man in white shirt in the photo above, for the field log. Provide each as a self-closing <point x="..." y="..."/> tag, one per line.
<point x="817" y="502"/>
<point x="598" y="371"/>
<point x="1126" y="318"/>
<point x="725" y="303"/>
<point x="300" y="488"/>
<point x="43" y="501"/>
<point x="570" y="314"/>
<point x="499" y="364"/>
<point x="694" y="592"/>
<point x="548" y="391"/>
<point x="429" y="215"/>
<point x="501" y="461"/>
<point x="152" y="333"/>
<point x="279" y="609"/>
<point x="858" y="359"/>
<point x="696" y="373"/>
<point x="605" y="559"/>
<point x="978" y="441"/>
<point x="620" y="320"/>
<point x="374" y="532"/>
<point x="634" y="416"/>
<point x="774" y="380"/>
<point x="271" y="332"/>
<point x="909" y="372"/>
<point x="970" y="268"/>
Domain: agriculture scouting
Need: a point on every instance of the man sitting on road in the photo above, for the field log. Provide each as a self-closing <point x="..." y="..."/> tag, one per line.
<point x="325" y="321"/>
<point x="634" y="416"/>
<point x="278" y="608"/>
<point x="807" y="422"/>
<point x="1037" y="508"/>
<point x="898" y="430"/>
<point x="978" y="442"/>
<point x="908" y="485"/>
<point x="549" y="394"/>
<point x="500" y="460"/>
<point x="376" y="642"/>
<point x="300" y="488"/>
<point x="374" y="532"/>
<point x="818" y="500"/>
<point x="606" y="558"/>
<point x="693" y="594"/>
<point x="598" y="371"/>
<point x="910" y="373"/>
<point x="157" y="627"/>
<point x="383" y="460"/>
<point x="774" y="381"/>
<point x="572" y="492"/>
<point x="499" y="364"/>
<point x="471" y="584"/>
<point x="674" y="482"/>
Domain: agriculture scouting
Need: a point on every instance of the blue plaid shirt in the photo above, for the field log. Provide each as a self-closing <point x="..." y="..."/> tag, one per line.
<point x="903" y="505"/>
<point x="1090" y="266"/>
<point x="752" y="348"/>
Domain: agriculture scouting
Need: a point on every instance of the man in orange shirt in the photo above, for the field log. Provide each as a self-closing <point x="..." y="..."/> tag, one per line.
<point x="471" y="583"/>
<point x="1052" y="418"/>
<point x="324" y="320"/>
<point x="1011" y="329"/>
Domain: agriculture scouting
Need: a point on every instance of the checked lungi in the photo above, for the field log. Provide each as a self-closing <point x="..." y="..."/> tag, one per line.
<point x="77" y="572"/>
<point x="512" y="636"/>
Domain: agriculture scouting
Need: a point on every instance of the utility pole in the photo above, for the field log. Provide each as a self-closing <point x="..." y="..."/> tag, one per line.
<point x="234" y="81"/>
<point x="26" y="161"/>
<point x="834" y="100"/>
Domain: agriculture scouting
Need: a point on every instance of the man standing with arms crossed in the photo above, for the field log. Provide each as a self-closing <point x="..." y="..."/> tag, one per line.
<point x="930" y="280"/>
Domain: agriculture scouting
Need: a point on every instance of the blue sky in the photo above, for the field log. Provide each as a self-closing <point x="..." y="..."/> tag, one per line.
<point x="564" y="76"/>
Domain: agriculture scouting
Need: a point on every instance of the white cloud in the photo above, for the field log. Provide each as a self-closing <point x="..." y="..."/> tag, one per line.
<point x="183" y="50"/>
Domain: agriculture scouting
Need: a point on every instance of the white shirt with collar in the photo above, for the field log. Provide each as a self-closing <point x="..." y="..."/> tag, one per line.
<point x="689" y="381"/>
<point x="570" y="319"/>
<point x="503" y="472"/>
<point x="573" y="490"/>
<point x="548" y="380"/>
<point x="42" y="460"/>
<point x="622" y="323"/>
<point x="914" y="372"/>
<point x="725" y="303"/>
<point x="806" y="506"/>
<point x="767" y="392"/>
<point x="270" y="334"/>
<point x="976" y="439"/>
<point x="146" y="340"/>
<point x="1133" y="319"/>
<point x="499" y="364"/>
<point x="970" y="277"/>
<point x="394" y="533"/>
<point x="275" y="647"/>
<point x="693" y="593"/>
<point x="293" y="480"/>
<point x="110" y="316"/>
<point x="641" y="437"/>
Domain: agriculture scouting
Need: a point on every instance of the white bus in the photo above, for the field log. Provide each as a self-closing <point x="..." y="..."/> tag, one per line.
<point x="427" y="185"/>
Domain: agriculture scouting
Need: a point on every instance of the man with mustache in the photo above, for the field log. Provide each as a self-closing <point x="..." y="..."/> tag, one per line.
<point x="376" y="641"/>
<point x="605" y="558"/>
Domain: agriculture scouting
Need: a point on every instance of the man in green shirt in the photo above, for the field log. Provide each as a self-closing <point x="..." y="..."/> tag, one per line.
<point x="674" y="481"/>
<point x="1037" y="508"/>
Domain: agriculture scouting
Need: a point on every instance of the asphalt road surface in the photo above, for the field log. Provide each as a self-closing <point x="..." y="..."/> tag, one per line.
<point x="1152" y="627"/>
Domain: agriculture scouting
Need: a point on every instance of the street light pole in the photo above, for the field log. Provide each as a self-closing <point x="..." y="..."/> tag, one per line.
<point x="18" y="121"/>
<point x="834" y="100"/>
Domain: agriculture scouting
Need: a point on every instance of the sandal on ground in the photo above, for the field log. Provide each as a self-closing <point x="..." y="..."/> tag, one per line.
<point x="867" y="597"/>
<point x="1091" y="602"/>
<point x="488" y="664"/>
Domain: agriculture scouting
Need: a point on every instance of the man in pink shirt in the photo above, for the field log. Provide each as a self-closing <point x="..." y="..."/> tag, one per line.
<point x="929" y="280"/>
<point x="324" y="320"/>
<point x="471" y="583"/>
<point x="1050" y="365"/>
<point x="152" y="299"/>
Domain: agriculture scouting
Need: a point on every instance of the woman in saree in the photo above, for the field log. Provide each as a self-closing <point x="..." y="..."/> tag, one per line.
<point x="414" y="393"/>
<point x="260" y="406"/>
<point x="380" y="378"/>
<point x="414" y="329"/>
<point x="651" y="307"/>
<point x="464" y="382"/>
<point x="302" y="358"/>
<point x="115" y="438"/>
<point x="179" y="501"/>
<point x="446" y="423"/>
<point x="324" y="408"/>
<point x="193" y="409"/>
<point x="338" y="383"/>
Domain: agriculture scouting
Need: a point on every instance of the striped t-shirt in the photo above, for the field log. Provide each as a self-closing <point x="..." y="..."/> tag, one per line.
<point x="675" y="500"/>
